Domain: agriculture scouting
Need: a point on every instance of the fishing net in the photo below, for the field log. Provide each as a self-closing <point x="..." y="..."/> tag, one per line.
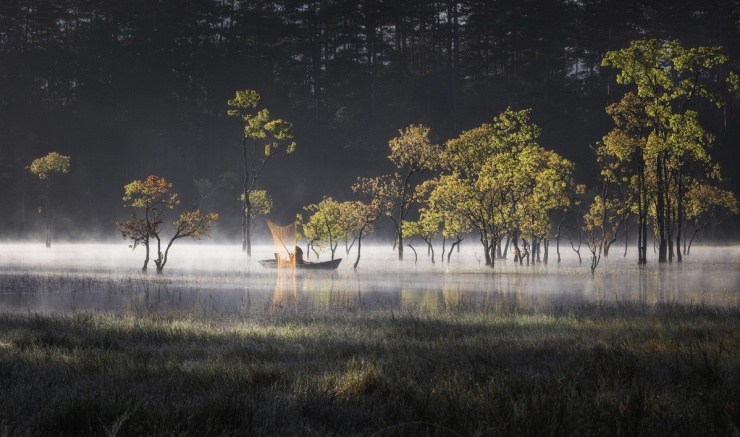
<point x="284" y="238"/>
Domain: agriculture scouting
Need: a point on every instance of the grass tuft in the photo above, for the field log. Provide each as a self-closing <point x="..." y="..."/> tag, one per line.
<point x="465" y="370"/>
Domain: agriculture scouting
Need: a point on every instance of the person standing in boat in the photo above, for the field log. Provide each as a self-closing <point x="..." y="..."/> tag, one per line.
<point x="298" y="255"/>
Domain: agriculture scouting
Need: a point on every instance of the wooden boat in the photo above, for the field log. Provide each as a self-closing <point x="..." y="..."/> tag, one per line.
<point x="307" y="265"/>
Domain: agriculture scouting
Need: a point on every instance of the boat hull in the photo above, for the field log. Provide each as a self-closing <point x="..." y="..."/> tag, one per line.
<point x="324" y="265"/>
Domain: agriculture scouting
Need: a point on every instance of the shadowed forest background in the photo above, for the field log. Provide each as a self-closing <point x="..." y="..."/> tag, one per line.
<point x="133" y="88"/>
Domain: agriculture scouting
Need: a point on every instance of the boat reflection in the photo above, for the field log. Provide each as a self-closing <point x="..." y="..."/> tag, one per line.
<point x="285" y="296"/>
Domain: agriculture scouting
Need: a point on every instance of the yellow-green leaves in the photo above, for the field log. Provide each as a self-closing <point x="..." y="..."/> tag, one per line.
<point x="497" y="180"/>
<point x="150" y="200"/>
<point x="46" y="169"/>
<point x="50" y="165"/>
<point x="413" y="150"/>
<point x="193" y="224"/>
<point x="262" y="139"/>
<point x="254" y="126"/>
<point x="242" y="102"/>
<point x="260" y="203"/>
<point x="152" y="192"/>
<point x="257" y="126"/>
<point x="658" y="147"/>
<point x="279" y="135"/>
<point x="702" y="199"/>
<point x="327" y="224"/>
<point x="510" y="130"/>
<point x="666" y="71"/>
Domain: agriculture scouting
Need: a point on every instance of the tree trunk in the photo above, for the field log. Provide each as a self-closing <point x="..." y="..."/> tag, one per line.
<point x="402" y="214"/>
<point x="245" y="201"/>
<point x="557" y="238"/>
<point x="359" y="246"/>
<point x="669" y="217"/>
<point x="641" y="214"/>
<point x="416" y="257"/>
<point x="248" y="227"/>
<point x="146" y="259"/>
<point x="517" y="252"/>
<point x="680" y="218"/>
<point x="546" y="243"/>
<point x="626" y="237"/>
<point x="492" y="255"/>
<point x="660" y="207"/>
<point x="449" y="254"/>
<point x="47" y="205"/>
<point x="486" y="249"/>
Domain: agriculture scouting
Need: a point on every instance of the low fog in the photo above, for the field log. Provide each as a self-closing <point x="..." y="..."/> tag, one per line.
<point x="221" y="279"/>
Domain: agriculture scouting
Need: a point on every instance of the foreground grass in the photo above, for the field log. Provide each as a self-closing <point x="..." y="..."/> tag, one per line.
<point x="592" y="370"/>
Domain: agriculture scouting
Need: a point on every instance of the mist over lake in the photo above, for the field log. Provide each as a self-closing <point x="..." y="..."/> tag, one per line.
<point x="220" y="279"/>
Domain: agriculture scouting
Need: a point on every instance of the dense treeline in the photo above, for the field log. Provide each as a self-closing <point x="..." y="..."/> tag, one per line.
<point x="135" y="88"/>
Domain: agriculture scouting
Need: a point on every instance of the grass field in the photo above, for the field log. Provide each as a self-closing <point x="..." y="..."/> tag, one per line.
<point x="590" y="369"/>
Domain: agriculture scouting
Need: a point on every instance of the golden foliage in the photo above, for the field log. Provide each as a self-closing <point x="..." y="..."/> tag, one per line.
<point x="50" y="165"/>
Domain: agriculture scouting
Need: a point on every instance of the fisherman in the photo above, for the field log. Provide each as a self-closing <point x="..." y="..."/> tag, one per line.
<point x="298" y="254"/>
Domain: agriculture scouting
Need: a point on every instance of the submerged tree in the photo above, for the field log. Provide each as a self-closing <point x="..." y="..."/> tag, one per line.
<point x="453" y="224"/>
<point x="596" y="226"/>
<point x="260" y="205"/>
<point x="365" y="213"/>
<point x="658" y="134"/>
<point x="704" y="204"/>
<point x="262" y="140"/>
<point x="150" y="200"/>
<point x="47" y="168"/>
<point x="427" y="228"/>
<point x="411" y="152"/>
<point x="326" y="226"/>
<point x="502" y="182"/>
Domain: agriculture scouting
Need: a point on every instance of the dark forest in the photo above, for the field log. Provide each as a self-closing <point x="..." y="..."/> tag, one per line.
<point x="139" y="87"/>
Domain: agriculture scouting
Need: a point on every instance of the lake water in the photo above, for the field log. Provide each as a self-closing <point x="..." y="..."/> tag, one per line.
<point x="220" y="279"/>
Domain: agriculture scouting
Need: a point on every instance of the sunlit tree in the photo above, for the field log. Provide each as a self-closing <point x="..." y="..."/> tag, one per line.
<point x="350" y="223"/>
<point x="383" y="192"/>
<point x="47" y="169"/>
<point x="546" y="183"/>
<point x="595" y="228"/>
<point x="621" y="156"/>
<point x="150" y="201"/>
<point x="324" y="229"/>
<point x="364" y="213"/>
<point x="412" y="152"/>
<point x="502" y="182"/>
<point x="260" y="203"/>
<point x="658" y="131"/>
<point x="705" y="204"/>
<point x="454" y="226"/>
<point x="262" y="140"/>
<point x="427" y="227"/>
<point x="478" y="170"/>
<point x="573" y="202"/>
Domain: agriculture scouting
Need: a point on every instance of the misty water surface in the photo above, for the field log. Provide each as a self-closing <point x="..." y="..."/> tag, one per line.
<point x="220" y="279"/>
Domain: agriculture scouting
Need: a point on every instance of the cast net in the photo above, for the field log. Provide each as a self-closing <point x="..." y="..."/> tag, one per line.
<point x="284" y="238"/>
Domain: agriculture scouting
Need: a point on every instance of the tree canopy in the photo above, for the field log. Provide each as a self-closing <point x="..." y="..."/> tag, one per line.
<point x="150" y="201"/>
